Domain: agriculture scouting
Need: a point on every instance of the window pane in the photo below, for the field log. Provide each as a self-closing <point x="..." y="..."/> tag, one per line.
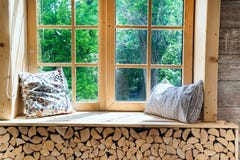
<point x="67" y="73"/>
<point x="87" y="83"/>
<point x="87" y="46"/>
<point x="131" y="12"/>
<point x="130" y="84"/>
<point x="54" y="12"/>
<point x="54" y="45"/>
<point x="174" y="76"/>
<point x="167" y="46"/>
<point x="167" y="12"/>
<point x="86" y="12"/>
<point x="131" y="46"/>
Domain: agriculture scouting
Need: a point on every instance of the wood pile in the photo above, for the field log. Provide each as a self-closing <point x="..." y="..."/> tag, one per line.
<point x="59" y="143"/>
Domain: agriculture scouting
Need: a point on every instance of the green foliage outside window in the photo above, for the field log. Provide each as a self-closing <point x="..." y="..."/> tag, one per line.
<point x="54" y="45"/>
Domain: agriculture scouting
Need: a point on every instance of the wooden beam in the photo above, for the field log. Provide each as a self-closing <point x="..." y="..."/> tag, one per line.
<point x="5" y="102"/>
<point x="12" y="56"/>
<point x="32" y="34"/>
<point x="18" y="47"/>
<point x="188" y="42"/>
<point x="207" y="17"/>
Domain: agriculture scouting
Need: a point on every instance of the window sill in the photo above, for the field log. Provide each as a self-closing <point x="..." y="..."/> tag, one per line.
<point x="111" y="119"/>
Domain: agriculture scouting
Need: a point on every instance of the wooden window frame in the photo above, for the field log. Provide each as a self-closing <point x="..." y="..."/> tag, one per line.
<point x="186" y="66"/>
<point x="106" y="66"/>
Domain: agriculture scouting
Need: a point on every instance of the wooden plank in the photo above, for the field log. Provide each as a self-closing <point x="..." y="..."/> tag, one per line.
<point x="229" y="72"/>
<point x="5" y="102"/>
<point x="188" y="42"/>
<point x="206" y="41"/>
<point x="66" y="27"/>
<point x="15" y="16"/>
<point x="229" y="114"/>
<point x="91" y="106"/>
<point x="211" y="70"/>
<point x="200" y="40"/>
<point x="236" y="143"/>
<point x="73" y="52"/>
<point x="149" y="50"/>
<point x="228" y="93"/>
<point x="147" y="65"/>
<point x="229" y="68"/>
<point x="127" y="106"/>
<point x="112" y="119"/>
<point x="110" y="85"/>
<point x="17" y="10"/>
<point x="229" y="59"/>
<point x="102" y="50"/>
<point x="230" y="14"/>
<point x="32" y="36"/>
<point x="229" y="41"/>
<point x="151" y="27"/>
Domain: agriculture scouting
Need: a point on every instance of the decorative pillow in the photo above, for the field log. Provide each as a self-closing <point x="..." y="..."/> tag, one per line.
<point x="45" y="94"/>
<point x="179" y="103"/>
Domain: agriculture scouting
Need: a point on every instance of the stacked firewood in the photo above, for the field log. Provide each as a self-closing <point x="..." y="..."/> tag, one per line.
<point x="59" y="143"/>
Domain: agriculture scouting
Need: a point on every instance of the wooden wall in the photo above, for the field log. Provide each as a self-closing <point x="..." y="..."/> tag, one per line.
<point x="13" y="35"/>
<point x="5" y="102"/>
<point x="229" y="62"/>
<point x="18" y="39"/>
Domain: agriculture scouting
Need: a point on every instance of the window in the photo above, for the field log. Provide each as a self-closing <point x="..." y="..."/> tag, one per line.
<point x="112" y="51"/>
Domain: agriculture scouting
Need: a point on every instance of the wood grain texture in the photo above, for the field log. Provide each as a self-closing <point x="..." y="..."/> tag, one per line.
<point x="229" y="62"/>
<point x="229" y="40"/>
<point x="109" y="119"/>
<point x="230" y="72"/>
<point x="230" y="13"/>
<point x="228" y="94"/>
<point x="18" y="39"/>
<point x="139" y="144"/>
<point x="12" y="56"/>
<point x="5" y="103"/>
<point x="206" y="38"/>
<point x="229" y="114"/>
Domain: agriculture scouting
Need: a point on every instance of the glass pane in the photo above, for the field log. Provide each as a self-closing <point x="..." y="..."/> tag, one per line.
<point x="131" y="12"/>
<point x="86" y="12"/>
<point x="54" y="12"/>
<point x="87" y="46"/>
<point x="167" y="46"/>
<point x="130" y="84"/>
<point x="131" y="46"/>
<point x="67" y="73"/>
<point x="174" y="76"/>
<point x="87" y="83"/>
<point x="167" y="12"/>
<point x="54" y="45"/>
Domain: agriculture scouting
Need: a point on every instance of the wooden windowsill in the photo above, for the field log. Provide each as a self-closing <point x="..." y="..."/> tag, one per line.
<point x="111" y="119"/>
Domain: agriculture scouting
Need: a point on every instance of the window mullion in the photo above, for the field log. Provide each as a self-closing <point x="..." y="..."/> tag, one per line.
<point x="110" y="53"/>
<point x="73" y="53"/>
<point x="148" y="80"/>
<point x="102" y="50"/>
<point x="188" y="41"/>
<point x="32" y="36"/>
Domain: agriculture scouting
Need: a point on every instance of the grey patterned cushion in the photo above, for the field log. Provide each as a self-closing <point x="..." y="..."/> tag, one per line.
<point x="45" y="94"/>
<point x="179" y="103"/>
